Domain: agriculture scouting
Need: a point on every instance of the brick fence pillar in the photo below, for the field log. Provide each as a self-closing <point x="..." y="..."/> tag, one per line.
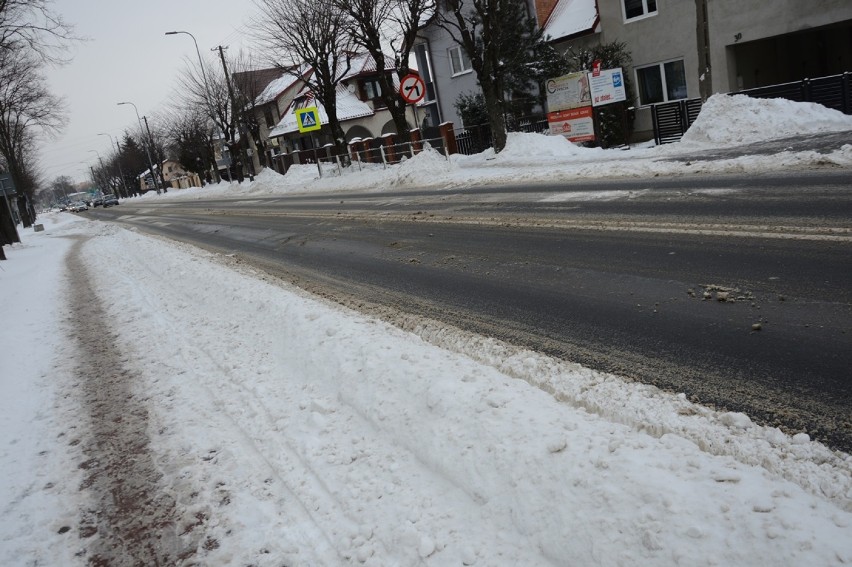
<point x="449" y="136"/>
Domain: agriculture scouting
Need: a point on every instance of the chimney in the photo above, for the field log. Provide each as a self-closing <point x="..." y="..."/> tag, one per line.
<point x="543" y="9"/>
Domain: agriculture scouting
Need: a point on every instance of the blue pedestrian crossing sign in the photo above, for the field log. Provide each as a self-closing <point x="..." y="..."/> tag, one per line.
<point x="308" y="119"/>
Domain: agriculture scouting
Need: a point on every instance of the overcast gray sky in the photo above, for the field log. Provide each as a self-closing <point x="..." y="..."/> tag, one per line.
<point x="128" y="58"/>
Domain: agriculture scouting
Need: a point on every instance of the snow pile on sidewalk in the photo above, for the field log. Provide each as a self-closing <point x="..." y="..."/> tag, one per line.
<point x="295" y="432"/>
<point x="740" y="119"/>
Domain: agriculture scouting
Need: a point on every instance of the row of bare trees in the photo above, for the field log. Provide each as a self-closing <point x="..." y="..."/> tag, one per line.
<point x="32" y="38"/>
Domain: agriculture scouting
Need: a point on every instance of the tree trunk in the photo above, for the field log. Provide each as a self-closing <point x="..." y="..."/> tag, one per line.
<point x="494" y="106"/>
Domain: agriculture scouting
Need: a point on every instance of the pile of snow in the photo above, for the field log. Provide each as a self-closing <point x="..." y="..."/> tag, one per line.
<point x="740" y="119"/>
<point x="521" y="146"/>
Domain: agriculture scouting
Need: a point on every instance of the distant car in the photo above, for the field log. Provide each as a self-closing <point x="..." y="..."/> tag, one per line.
<point x="109" y="200"/>
<point x="78" y="206"/>
<point x="98" y="201"/>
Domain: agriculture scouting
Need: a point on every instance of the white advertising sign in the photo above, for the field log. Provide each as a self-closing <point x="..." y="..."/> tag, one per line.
<point x="607" y="87"/>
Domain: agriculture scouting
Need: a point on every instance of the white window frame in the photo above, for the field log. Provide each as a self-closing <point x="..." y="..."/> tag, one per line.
<point x="662" y="67"/>
<point x="645" y="14"/>
<point x="462" y="57"/>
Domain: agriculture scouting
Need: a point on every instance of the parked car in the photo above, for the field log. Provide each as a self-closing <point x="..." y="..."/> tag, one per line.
<point x="78" y="206"/>
<point x="98" y="201"/>
<point x="109" y="200"/>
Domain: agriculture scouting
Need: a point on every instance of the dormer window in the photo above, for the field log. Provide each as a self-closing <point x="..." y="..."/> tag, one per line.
<point x="372" y="88"/>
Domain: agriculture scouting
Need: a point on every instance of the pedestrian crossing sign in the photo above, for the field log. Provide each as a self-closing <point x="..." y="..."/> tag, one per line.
<point x="308" y="119"/>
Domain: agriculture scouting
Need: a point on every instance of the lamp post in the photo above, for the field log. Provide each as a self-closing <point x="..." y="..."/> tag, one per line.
<point x="118" y="159"/>
<point x="100" y="161"/>
<point x="207" y="95"/>
<point x="145" y="143"/>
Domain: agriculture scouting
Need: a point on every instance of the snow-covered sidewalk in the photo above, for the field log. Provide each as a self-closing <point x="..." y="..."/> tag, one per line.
<point x="294" y="432"/>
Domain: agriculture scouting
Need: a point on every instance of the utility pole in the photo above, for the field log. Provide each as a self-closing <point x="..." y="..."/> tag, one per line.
<point x="237" y="114"/>
<point x="145" y="143"/>
<point x="159" y="161"/>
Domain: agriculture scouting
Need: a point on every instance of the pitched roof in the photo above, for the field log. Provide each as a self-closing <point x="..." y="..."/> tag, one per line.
<point x="571" y="17"/>
<point x="349" y="107"/>
<point x="253" y="82"/>
<point x="277" y="87"/>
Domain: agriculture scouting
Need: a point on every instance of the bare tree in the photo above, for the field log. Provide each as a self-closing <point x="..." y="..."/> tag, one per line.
<point x="205" y="91"/>
<point x="60" y="188"/>
<point x="26" y="106"/>
<point x="31" y="26"/>
<point x="188" y="139"/>
<point x="375" y="24"/>
<point x="314" y="33"/>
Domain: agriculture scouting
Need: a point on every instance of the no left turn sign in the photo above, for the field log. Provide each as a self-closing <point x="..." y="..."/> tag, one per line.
<point x="412" y="88"/>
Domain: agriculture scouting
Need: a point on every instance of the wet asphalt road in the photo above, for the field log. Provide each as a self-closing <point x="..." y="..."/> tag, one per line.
<point x="733" y="290"/>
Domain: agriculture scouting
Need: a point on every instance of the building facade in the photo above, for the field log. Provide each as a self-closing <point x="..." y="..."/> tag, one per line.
<point x="680" y="48"/>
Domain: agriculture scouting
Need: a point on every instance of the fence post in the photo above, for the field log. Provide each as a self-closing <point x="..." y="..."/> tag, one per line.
<point x="449" y="136"/>
<point x="416" y="141"/>
<point x="368" y="153"/>
<point x="388" y="142"/>
<point x="384" y="161"/>
<point x="353" y="148"/>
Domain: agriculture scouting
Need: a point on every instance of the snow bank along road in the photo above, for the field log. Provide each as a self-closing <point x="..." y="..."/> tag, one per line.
<point x="227" y="419"/>
<point x="730" y="289"/>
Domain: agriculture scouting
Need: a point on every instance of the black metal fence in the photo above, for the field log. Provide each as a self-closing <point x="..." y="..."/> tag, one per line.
<point x="834" y="91"/>
<point x="476" y="139"/>
<point x="672" y="119"/>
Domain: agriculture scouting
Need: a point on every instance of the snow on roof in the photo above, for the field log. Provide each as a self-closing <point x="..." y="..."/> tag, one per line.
<point x="571" y="17"/>
<point x="276" y="88"/>
<point x="349" y="107"/>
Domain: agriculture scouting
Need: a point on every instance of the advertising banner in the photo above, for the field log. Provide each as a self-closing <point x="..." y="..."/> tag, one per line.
<point x="576" y="124"/>
<point x="607" y="87"/>
<point x="568" y="91"/>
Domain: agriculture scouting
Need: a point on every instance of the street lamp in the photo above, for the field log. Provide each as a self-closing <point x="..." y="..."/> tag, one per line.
<point x="145" y="143"/>
<point x="200" y="63"/>
<point x="100" y="161"/>
<point x="118" y="159"/>
<point x="207" y="94"/>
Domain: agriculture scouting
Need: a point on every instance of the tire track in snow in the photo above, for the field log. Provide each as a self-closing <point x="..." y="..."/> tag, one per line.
<point x="132" y="517"/>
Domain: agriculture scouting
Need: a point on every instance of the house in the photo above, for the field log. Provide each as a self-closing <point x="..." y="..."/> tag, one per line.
<point x="175" y="175"/>
<point x="680" y="49"/>
<point x="360" y="110"/>
<point x="271" y="104"/>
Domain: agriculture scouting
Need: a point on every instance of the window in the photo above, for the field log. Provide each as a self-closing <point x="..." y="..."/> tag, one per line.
<point x="372" y="88"/>
<point x="661" y="82"/>
<point x="267" y="117"/>
<point x="638" y="8"/>
<point x="459" y="61"/>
